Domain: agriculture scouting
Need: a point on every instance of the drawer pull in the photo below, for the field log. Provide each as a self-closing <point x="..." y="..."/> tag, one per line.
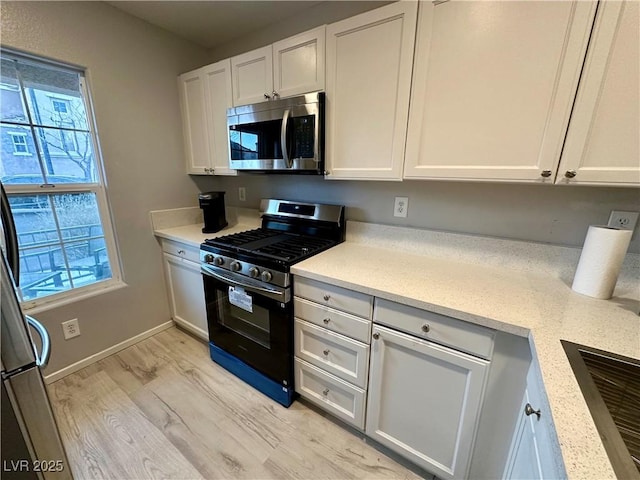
<point x="326" y="321"/>
<point x="325" y="392"/>
<point x="180" y="252"/>
<point x="326" y="298"/>
<point x="325" y="352"/>
<point x="426" y="328"/>
<point x="528" y="410"/>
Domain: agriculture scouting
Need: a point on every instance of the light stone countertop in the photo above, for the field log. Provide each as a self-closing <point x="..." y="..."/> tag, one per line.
<point x="192" y="234"/>
<point x="538" y="306"/>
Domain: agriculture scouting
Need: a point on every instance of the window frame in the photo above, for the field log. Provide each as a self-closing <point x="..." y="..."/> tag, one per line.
<point x="98" y="189"/>
<point x="24" y="143"/>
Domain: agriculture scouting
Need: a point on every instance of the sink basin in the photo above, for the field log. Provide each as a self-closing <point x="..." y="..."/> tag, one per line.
<point x="610" y="385"/>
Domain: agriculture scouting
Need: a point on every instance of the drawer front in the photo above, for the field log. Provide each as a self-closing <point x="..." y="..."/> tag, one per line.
<point x="337" y="354"/>
<point x="330" y="393"/>
<point x="334" y="320"/>
<point x="339" y="298"/>
<point x="188" y="252"/>
<point x="452" y="332"/>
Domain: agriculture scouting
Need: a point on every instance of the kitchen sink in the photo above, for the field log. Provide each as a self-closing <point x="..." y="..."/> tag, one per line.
<point x="610" y="385"/>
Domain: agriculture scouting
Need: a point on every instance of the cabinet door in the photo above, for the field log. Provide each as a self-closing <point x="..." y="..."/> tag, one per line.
<point x="602" y="144"/>
<point x="218" y="97"/>
<point x="191" y="88"/>
<point x="369" y="61"/>
<point x="424" y="401"/>
<point x="525" y="461"/>
<point x="252" y="76"/>
<point x="186" y="295"/>
<point x="501" y="109"/>
<point x="298" y="63"/>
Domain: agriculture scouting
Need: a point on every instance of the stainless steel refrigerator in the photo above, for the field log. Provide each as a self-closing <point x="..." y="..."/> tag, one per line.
<point x="31" y="444"/>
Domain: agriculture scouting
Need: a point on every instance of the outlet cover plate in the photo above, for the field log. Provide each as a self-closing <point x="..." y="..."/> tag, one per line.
<point x="400" y="207"/>
<point x="70" y="328"/>
<point x="623" y="220"/>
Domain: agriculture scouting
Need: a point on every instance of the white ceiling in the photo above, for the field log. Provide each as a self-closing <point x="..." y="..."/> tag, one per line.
<point x="213" y="23"/>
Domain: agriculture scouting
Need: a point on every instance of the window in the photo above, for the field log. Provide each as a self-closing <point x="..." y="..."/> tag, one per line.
<point x="20" y="146"/>
<point x="56" y="194"/>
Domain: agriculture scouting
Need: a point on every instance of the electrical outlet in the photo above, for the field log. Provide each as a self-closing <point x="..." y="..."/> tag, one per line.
<point x="242" y="194"/>
<point x="71" y="328"/>
<point x="401" y="206"/>
<point x="623" y="220"/>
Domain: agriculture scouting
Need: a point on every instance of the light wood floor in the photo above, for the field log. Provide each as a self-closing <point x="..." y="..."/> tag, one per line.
<point x="163" y="409"/>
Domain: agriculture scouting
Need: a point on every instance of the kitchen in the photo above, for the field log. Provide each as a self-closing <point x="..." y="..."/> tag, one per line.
<point x="138" y="116"/>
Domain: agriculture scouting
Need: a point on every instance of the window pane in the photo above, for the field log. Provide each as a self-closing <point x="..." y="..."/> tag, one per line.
<point x="56" y="259"/>
<point x="18" y="158"/>
<point x="46" y="89"/>
<point x="10" y="97"/>
<point x="67" y="155"/>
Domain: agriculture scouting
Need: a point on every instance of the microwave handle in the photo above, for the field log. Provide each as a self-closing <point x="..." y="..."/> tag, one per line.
<point x="283" y="138"/>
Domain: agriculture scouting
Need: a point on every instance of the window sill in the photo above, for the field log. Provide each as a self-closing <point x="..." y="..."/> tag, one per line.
<point x="33" y="307"/>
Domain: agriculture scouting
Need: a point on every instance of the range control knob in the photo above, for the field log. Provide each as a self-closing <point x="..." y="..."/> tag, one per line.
<point x="235" y="266"/>
<point x="208" y="258"/>
<point x="254" y="272"/>
<point x="266" y="276"/>
<point x="218" y="261"/>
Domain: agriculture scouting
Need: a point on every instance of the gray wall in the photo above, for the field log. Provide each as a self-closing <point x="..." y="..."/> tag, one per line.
<point x="132" y="69"/>
<point x="540" y="213"/>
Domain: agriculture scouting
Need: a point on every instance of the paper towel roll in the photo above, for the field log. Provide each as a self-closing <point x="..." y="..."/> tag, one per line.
<point x="600" y="262"/>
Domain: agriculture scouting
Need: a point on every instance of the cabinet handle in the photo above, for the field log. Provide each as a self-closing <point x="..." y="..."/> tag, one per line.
<point x="325" y="352"/>
<point x="180" y="252"/>
<point x="326" y="321"/>
<point x="376" y="336"/>
<point x="267" y="96"/>
<point x="326" y="298"/>
<point x="528" y="410"/>
<point x="426" y="328"/>
<point x="545" y="173"/>
<point x="327" y="173"/>
<point x="275" y="94"/>
<point x="570" y="173"/>
<point x="325" y="392"/>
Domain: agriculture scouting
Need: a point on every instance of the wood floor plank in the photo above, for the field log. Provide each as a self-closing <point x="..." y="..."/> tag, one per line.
<point x="163" y="409"/>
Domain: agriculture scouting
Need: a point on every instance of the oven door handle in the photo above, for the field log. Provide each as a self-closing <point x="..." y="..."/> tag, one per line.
<point x="268" y="292"/>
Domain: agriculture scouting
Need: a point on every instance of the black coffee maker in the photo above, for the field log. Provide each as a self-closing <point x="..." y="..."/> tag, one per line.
<point x="212" y="205"/>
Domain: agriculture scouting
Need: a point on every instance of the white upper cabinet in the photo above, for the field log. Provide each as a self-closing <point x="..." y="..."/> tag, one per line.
<point x="252" y="75"/>
<point x="493" y="87"/>
<point x="602" y="145"/>
<point x="205" y="95"/>
<point x="218" y="98"/>
<point x="298" y="63"/>
<point x="194" y="121"/>
<point x="293" y="66"/>
<point x="369" y="62"/>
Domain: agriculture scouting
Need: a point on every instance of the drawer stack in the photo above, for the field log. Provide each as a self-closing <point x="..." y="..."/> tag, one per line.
<point x="332" y="344"/>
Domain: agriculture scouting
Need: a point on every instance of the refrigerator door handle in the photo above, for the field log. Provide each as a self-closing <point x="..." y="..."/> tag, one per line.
<point x="11" y="236"/>
<point x="43" y="359"/>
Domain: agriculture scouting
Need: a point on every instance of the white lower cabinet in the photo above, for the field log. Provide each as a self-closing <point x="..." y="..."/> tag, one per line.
<point x="424" y="401"/>
<point x="186" y="291"/>
<point x="535" y="451"/>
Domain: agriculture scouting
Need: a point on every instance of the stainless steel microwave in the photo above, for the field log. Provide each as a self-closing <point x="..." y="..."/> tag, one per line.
<point x="279" y="136"/>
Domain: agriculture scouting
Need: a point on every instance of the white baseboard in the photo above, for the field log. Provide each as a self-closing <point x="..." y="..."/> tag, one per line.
<point x="85" y="362"/>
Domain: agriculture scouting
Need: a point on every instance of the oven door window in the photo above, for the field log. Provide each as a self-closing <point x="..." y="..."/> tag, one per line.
<point x="254" y="325"/>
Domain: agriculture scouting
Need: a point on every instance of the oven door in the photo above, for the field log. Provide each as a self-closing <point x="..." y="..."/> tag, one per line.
<point x="251" y="322"/>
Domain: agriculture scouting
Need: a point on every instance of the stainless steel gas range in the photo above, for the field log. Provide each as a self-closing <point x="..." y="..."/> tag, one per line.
<point x="248" y="290"/>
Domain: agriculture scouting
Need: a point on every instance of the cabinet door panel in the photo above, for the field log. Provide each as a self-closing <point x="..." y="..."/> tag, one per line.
<point x="252" y="76"/>
<point x="369" y="61"/>
<point x="218" y="97"/>
<point x="424" y="401"/>
<point x="194" y="121"/>
<point x="500" y="110"/>
<point x="298" y="63"/>
<point x="186" y="295"/>
<point x="603" y="143"/>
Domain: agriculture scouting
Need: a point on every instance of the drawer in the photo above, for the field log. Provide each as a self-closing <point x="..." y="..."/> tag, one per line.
<point x="188" y="252"/>
<point x="334" y="320"/>
<point x="337" y="354"/>
<point x="452" y="332"/>
<point x="330" y="393"/>
<point x="335" y="297"/>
